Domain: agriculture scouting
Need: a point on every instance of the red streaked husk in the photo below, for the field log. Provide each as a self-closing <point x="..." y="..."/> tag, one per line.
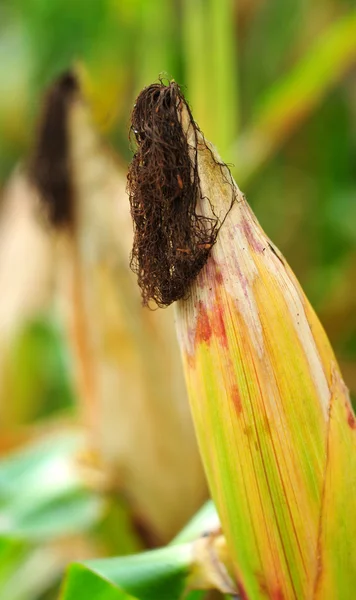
<point x="273" y="418"/>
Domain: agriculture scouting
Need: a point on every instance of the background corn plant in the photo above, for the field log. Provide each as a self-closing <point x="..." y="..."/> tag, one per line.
<point x="273" y="84"/>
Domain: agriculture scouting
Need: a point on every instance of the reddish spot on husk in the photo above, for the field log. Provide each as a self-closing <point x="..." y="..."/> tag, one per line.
<point x="219" y="278"/>
<point x="274" y="594"/>
<point x="351" y="419"/>
<point x="203" y="330"/>
<point x="251" y="237"/>
<point x="263" y="585"/>
<point x="190" y="360"/>
<point x="219" y="325"/>
<point x="242" y="592"/>
<point x="235" y="396"/>
<point x="212" y="275"/>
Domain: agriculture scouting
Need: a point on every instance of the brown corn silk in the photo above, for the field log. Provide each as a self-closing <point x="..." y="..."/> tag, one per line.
<point x="272" y="415"/>
<point x="172" y="239"/>
<point x="49" y="167"/>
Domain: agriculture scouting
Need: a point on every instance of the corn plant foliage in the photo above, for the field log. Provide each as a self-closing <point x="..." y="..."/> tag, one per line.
<point x="83" y="583"/>
<point x="161" y="584"/>
<point x="153" y="575"/>
<point x="60" y="506"/>
<point x="24" y="573"/>
<point x="285" y="104"/>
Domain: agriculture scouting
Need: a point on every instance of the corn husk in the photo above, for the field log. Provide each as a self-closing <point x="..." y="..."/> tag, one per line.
<point x="273" y="418"/>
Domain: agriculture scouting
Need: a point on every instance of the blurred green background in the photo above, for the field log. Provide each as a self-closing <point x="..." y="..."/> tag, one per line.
<point x="273" y="84"/>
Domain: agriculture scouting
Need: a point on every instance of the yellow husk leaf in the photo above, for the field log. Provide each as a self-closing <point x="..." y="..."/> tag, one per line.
<point x="272" y="415"/>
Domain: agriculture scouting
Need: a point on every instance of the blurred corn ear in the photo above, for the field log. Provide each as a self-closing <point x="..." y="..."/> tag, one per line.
<point x="136" y="413"/>
<point x="272" y="415"/>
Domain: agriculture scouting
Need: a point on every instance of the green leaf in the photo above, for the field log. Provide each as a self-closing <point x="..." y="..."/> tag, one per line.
<point x="26" y="572"/>
<point x="83" y="584"/>
<point x="296" y="95"/>
<point x="39" y="353"/>
<point x="59" y="506"/>
<point x="211" y="68"/>
<point x="155" y="575"/>
<point x="204" y="521"/>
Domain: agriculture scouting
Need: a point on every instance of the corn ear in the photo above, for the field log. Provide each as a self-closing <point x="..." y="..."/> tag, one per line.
<point x="121" y="389"/>
<point x="272" y="415"/>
